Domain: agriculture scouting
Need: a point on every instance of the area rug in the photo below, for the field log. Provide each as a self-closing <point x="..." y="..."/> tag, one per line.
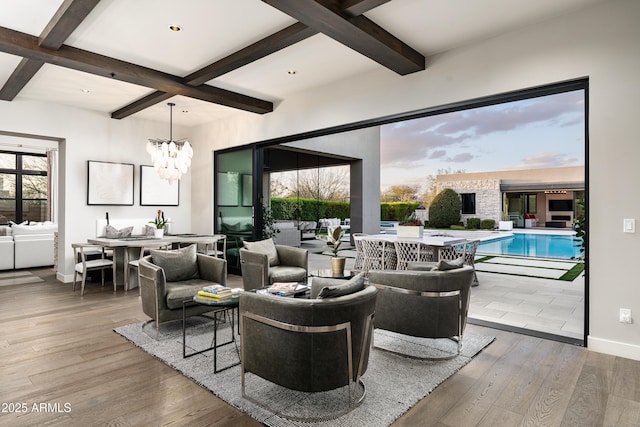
<point x="393" y="383"/>
<point x="19" y="277"/>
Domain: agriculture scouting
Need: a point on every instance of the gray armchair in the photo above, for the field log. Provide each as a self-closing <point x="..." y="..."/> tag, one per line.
<point x="167" y="278"/>
<point x="310" y="345"/>
<point x="264" y="263"/>
<point x="423" y="303"/>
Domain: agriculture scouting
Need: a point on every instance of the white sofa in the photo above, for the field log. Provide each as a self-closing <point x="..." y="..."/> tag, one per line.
<point x="6" y="252"/>
<point x="27" y="246"/>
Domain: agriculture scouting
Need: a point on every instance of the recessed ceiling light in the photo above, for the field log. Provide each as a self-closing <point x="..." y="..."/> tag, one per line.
<point x="291" y="72"/>
<point x="175" y="28"/>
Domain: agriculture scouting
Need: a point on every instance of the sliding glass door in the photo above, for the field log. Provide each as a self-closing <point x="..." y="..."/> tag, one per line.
<point x="234" y="196"/>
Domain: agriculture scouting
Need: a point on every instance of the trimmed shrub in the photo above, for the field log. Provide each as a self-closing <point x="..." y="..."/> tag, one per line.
<point x="397" y="211"/>
<point x="473" y="223"/>
<point x="488" y="224"/>
<point x="308" y="209"/>
<point x="445" y="209"/>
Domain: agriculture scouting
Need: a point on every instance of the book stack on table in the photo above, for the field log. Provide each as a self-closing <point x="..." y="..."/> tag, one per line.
<point x="216" y="293"/>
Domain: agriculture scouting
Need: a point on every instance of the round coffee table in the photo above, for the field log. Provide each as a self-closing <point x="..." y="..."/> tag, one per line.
<point x="329" y="274"/>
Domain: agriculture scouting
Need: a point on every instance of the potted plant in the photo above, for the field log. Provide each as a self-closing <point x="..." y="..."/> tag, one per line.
<point x="410" y="227"/>
<point x="505" y="224"/>
<point x="160" y="223"/>
<point x="334" y="238"/>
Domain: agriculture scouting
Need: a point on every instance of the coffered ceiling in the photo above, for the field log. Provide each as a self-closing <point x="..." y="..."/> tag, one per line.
<point x="120" y="58"/>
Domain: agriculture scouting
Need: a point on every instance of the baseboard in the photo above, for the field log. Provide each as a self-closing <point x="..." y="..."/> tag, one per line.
<point x="60" y="277"/>
<point x="614" y="348"/>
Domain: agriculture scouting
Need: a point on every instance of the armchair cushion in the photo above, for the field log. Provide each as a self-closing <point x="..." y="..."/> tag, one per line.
<point x="353" y="285"/>
<point x="179" y="264"/>
<point x="266" y="247"/>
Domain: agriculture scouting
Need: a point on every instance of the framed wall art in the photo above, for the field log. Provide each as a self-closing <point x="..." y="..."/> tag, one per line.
<point x="155" y="191"/>
<point x="109" y="183"/>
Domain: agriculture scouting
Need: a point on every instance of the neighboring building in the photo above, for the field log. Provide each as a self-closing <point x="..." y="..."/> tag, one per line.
<point x="532" y="197"/>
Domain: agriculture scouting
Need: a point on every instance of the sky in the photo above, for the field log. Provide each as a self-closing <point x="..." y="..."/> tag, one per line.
<point x="536" y="133"/>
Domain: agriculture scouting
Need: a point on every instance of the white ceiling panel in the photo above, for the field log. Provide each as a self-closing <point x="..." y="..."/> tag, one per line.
<point x="137" y="32"/>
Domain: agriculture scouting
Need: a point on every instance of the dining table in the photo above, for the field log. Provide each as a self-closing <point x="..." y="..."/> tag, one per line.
<point x="126" y="249"/>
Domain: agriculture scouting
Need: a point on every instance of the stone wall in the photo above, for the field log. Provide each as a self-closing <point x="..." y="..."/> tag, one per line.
<point x="488" y="196"/>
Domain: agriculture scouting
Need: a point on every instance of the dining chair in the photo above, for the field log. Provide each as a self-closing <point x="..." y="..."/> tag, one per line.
<point x="412" y="251"/>
<point x="217" y="247"/>
<point x="379" y="254"/>
<point x="467" y="251"/>
<point x="84" y="265"/>
<point x="134" y="263"/>
<point x="357" y="263"/>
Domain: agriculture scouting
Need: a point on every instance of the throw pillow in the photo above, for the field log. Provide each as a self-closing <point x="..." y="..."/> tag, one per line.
<point x="149" y="230"/>
<point x="266" y="247"/>
<point x="179" y="264"/>
<point x="113" y="233"/>
<point x="444" y="265"/>
<point x="351" y="286"/>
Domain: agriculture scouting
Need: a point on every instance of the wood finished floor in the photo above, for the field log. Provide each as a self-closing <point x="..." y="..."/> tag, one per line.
<point x="58" y="348"/>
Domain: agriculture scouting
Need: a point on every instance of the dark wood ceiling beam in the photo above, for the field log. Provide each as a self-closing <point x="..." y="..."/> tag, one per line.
<point x="67" y="18"/>
<point x="260" y="49"/>
<point x="69" y="15"/>
<point x="358" y="7"/>
<point x="26" y="69"/>
<point x="358" y="33"/>
<point x="283" y="38"/>
<point x="25" y="45"/>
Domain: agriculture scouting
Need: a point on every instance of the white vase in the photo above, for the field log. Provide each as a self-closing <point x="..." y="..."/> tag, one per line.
<point x="158" y="233"/>
<point x="505" y="225"/>
<point x="410" y="231"/>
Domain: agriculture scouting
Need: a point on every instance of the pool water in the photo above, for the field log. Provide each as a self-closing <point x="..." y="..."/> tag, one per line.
<point x="533" y="245"/>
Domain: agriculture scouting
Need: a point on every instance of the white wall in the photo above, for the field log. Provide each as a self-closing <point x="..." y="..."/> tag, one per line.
<point x="88" y="135"/>
<point x="600" y="42"/>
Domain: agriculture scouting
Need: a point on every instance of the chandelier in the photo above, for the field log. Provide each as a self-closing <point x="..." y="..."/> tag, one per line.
<point x="170" y="158"/>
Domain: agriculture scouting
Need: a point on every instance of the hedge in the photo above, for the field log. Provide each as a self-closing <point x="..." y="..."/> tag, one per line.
<point x="313" y="210"/>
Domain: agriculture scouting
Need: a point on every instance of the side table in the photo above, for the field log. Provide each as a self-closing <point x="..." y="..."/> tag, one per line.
<point x="222" y="308"/>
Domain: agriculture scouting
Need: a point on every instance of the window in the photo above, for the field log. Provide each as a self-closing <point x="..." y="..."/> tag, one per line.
<point x="23" y="187"/>
<point x="468" y="203"/>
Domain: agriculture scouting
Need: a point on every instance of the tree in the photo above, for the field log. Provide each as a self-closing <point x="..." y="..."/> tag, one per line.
<point x="330" y="183"/>
<point x="445" y="209"/>
<point x="400" y="193"/>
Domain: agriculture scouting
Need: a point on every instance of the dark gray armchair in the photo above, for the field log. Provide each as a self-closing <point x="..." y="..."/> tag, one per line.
<point x="310" y="345"/>
<point x="423" y="303"/>
<point x="264" y="263"/>
<point x="167" y="278"/>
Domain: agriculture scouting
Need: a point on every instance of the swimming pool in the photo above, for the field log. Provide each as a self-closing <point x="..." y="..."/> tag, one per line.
<point x="534" y="245"/>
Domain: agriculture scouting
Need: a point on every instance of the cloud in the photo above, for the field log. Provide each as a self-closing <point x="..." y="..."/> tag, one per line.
<point x="549" y="160"/>
<point x="427" y="138"/>
<point x="461" y="158"/>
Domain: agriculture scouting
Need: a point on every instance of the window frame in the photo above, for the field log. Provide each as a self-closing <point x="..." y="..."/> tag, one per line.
<point x="19" y="174"/>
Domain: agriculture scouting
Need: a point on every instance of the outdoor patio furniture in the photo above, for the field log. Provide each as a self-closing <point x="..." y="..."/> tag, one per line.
<point x="412" y="251"/>
<point x="465" y="250"/>
<point x="379" y="254"/>
<point x="359" y="260"/>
